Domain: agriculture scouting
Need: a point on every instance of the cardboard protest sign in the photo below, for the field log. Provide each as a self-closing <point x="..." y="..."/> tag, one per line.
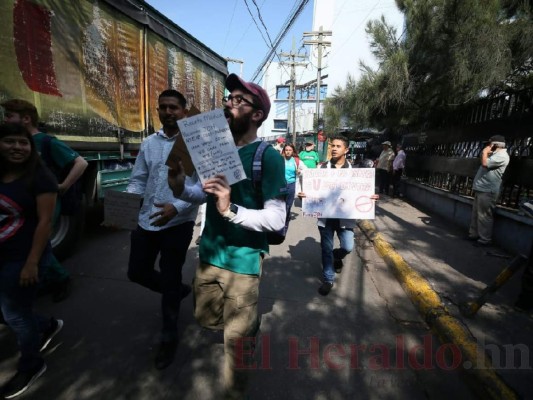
<point x="179" y="150"/>
<point x="211" y="146"/>
<point x="121" y="209"/>
<point x="339" y="193"/>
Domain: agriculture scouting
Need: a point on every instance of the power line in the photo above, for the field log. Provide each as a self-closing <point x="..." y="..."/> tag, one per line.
<point x="357" y="27"/>
<point x="262" y="22"/>
<point x="255" y="22"/>
<point x="244" y="33"/>
<point x="286" y="26"/>
<point x="229" y="25"/>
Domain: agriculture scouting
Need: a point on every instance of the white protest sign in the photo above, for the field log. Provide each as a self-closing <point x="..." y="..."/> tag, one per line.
<point x="121" y="209"/>
<point x="339" y="193"/>
<point x="211" y="146"/>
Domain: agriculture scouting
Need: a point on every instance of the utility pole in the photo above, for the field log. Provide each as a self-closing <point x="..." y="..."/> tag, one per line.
<point x="291" y="111"/>
<point x="234" y="60"/>
<point x="319" y="41"/>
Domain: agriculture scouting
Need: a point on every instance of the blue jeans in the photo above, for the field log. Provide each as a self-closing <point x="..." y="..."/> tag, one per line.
<point x="172" y="245"/>
<point x="326" y="243"/>
<point x="16" y="303"/>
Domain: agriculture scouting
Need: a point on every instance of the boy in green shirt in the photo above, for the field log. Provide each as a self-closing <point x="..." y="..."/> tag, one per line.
<point x="309" y="156"/>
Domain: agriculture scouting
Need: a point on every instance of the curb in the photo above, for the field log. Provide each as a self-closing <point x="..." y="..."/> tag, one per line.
<point x="476" y="364"/>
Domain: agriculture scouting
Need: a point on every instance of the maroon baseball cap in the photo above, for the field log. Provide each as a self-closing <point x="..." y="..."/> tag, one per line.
<point x="233" y="82"/>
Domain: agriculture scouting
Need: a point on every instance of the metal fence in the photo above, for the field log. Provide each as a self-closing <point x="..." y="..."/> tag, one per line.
<point x="448" y="157"/>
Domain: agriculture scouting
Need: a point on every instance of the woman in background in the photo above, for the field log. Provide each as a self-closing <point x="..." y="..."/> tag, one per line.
<point x="28" y="192"/>
<point x="293" y="169"/>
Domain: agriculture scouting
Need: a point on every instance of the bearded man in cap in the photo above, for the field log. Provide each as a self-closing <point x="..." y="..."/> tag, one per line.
<point x="487" y="182"/>
<point x="234" y="240"/>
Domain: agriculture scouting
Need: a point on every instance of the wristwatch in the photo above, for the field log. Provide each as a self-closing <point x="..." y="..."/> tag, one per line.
<point x="231" y="212"/>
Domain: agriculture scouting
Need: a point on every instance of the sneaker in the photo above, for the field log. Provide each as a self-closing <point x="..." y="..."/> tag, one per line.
<point x="21" y="382"/>
<point x="338" y="264"/>
<point x="61" y="290"/>
<point x="48" y="335"/>
<point x="325" y="288"/>
<point x="165" y="354"/>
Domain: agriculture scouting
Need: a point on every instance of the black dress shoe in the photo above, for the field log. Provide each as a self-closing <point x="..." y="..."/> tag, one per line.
<point x="165" y="354"/>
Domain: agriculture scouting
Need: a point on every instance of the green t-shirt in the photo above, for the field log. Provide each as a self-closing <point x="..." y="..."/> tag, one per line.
<point x="59" y="151"/>
<point x="227" y="245"/>
<point x="309" y="158"/>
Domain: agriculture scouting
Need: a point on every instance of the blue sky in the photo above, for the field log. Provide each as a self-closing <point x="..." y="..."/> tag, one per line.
<point x="226" y="26"/>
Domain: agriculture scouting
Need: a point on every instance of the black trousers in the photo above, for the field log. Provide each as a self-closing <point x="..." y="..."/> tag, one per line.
<point x="171" y="245"/>
<point x="383" y="180"/>
<point x="396" y="180"/>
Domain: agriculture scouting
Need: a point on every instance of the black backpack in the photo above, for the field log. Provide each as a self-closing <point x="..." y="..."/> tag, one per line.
<point x="276" y="237"/>
<point x="71" y="199"/>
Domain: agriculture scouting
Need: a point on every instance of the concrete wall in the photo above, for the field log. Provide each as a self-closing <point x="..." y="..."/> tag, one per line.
<point x="512" y="232"/>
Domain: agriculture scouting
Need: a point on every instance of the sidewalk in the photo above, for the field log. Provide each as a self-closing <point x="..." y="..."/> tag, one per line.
<point x="457" y="271"/>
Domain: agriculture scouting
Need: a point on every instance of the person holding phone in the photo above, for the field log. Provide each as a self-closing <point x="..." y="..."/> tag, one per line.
<point x="487" y="182"/>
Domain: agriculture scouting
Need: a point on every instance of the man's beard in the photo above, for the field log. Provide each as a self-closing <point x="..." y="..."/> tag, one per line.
<point x="169" y="124"/>
<point x="239" y="126"/>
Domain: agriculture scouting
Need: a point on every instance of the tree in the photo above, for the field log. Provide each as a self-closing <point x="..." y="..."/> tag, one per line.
<point x="451" y="53"/>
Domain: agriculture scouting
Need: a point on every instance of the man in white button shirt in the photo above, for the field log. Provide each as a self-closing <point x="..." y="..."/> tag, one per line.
<point x="397" y="169"/>
<point x="165" y="224"/>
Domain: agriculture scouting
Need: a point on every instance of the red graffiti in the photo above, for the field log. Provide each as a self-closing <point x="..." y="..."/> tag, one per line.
<point x="33" y="47"/>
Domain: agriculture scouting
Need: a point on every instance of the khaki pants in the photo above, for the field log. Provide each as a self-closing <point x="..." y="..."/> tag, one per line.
<point x="482" y="216"/>
<point x="227" y="300"/>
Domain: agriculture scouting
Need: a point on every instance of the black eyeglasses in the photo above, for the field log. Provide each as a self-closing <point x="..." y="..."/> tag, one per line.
<point x="238" y="100"/>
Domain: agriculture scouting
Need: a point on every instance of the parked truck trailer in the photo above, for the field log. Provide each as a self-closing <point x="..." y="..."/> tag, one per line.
<point x="94" y="69"/>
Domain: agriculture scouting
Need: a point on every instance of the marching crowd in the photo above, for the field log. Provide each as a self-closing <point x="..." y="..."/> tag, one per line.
<point x="239" y="222"/>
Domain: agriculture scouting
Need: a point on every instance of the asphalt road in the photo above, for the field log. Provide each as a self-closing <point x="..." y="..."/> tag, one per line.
<point x="365" y="340"/>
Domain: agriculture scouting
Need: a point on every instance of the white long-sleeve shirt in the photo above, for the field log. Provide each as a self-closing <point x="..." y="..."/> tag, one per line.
<point x="149" y="178"/>
<point x="399" y="161"/>
<point x="270" y="219"/>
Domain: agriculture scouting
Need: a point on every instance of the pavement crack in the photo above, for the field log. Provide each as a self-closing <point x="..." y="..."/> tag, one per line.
<point x="400" y="321"/>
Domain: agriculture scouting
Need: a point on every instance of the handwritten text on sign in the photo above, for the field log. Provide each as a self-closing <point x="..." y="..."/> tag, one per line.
<point x="339" y="193"/>
<point x="121" y="209"/>
<point x="211" y="146"/>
